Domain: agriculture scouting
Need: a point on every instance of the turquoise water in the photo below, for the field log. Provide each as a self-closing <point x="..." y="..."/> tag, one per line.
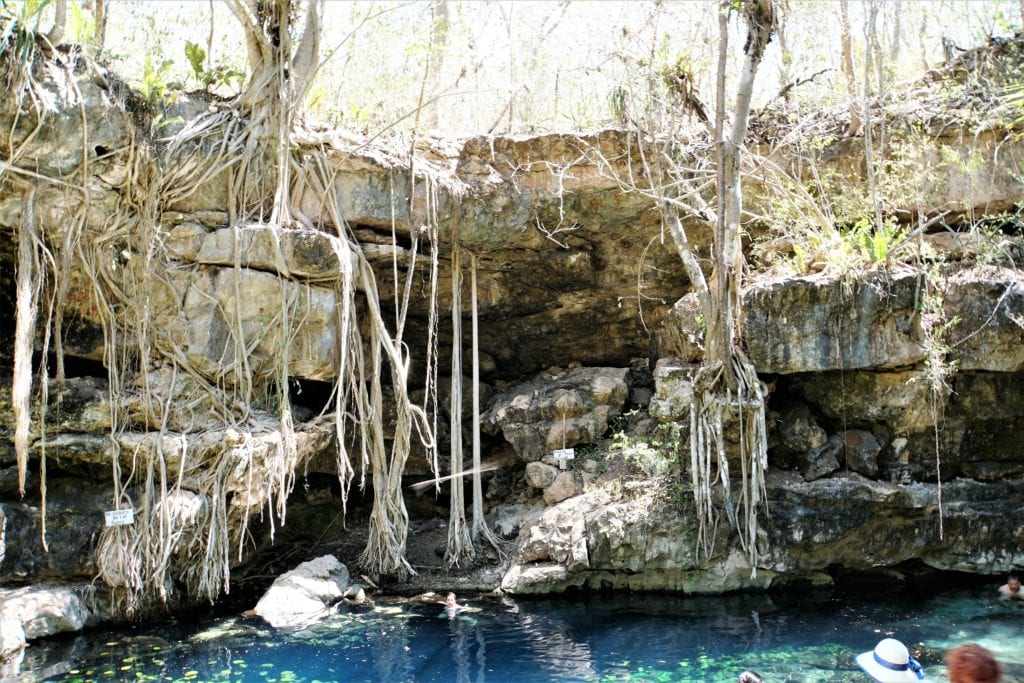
<point x="584" y="638"/>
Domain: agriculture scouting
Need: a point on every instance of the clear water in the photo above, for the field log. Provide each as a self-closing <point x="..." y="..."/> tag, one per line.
<point x="586" y="638"/>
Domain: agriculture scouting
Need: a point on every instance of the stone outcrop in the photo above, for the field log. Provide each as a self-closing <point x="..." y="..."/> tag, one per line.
<point x="818" y="323"/>
<point x="304" y="594"/>
<point x="44" y="610"/>
<point x="826" y="322"/>
<point x="673" y="388"/>
<point x="638" y="541"/>
<point x="80" y="487"/>
<point x="858" y="523"/>
<point x="567" y="410"/>
<point x="988" y="304"/>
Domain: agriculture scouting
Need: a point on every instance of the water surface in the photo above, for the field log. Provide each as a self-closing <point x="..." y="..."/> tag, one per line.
<point x="584" y="638"/>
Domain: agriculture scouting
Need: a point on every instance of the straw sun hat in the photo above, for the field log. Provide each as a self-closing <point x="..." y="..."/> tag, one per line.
<point x="890" y="662"/>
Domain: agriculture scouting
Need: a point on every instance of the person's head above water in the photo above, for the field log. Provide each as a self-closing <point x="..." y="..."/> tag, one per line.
<point x="1011" y="588"/>
<point x="450" y="600"/>
<point x="971" y="663"/>
<point x="890" y="662"/>
<point x="750" y="677"/>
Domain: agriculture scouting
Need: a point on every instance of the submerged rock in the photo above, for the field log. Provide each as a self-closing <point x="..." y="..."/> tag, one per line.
<point x="304" y="594"/>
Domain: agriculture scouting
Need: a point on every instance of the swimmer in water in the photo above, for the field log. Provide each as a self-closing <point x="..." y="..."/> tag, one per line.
<point x="452" y="607"/>
<point x="1011" y="589"/>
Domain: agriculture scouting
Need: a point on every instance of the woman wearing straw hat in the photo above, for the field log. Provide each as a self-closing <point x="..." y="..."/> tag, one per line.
<point x="890" y="662"/>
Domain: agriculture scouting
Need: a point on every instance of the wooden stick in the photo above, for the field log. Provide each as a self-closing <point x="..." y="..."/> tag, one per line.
<point x="486" y="467"/>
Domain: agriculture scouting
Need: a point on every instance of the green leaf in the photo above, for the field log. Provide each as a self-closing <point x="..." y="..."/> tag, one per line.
<point x="196" y="57"/>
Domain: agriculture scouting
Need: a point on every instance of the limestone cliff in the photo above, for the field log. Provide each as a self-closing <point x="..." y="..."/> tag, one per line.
<point x="584" y="330"/>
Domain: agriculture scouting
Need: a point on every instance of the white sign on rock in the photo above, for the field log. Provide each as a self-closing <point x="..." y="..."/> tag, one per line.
<point x="119" y="517"/>
<point x="564" y="454"/>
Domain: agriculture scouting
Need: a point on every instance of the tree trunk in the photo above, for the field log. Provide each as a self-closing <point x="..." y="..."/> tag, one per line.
<point x="848" y="70"/>
<point x="435" y="60"/>
<point x="897" y="34"/>
<point x="60" y="22"/>
<point x="100" y="34"/>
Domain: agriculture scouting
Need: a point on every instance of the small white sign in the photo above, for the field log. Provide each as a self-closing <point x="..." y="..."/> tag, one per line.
<point x="120" y="517"/>
<point x="563" y="454"/>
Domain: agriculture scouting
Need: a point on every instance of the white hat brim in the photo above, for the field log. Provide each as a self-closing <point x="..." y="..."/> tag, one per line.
<point x="867" y="662"/>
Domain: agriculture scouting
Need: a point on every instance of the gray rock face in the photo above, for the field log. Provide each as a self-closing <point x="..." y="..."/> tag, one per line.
<point x="201" y="313"/>
<point x="981" y="419"/>
<point x="571" y="409"/>
<point x="602" y="540"/>
<point x="817" y="323"/>
<point x="74" y="519"/>
<point x="835" y="521"/>
<point x="305" y="594"/>
<point x="44" y="610"/>
<point x="673" y="388"/>
<point x="295" y="253"/>
<point x="990" y="305"/>
<point x="681" y="333"/>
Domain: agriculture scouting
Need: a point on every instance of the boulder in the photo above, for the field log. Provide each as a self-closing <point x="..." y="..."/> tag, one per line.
<point x="559" y="535"/>
<point x="540" y="475"/>
<point x="570" y="409"/>
<point x="46" y="609"/>
<point x="821" y="461"/>
<point x="564" y="486"/>
<point x="860" y="449"/>
<point x="304" y="594"/>
<point x="799" y="431"/>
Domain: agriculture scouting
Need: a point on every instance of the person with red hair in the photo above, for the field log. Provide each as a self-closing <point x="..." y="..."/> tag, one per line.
<point x="971" y="663"/>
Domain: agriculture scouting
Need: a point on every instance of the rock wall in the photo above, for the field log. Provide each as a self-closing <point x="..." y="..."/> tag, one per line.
<point x="573" y="273"/>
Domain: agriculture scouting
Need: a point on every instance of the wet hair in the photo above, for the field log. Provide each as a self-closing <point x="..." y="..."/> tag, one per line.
<point x="1012" y="577"/>
<point x="750" y="677"/>
<point x="971" y="663"/>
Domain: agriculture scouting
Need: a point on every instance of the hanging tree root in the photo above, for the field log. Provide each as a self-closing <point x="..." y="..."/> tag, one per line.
<point x="193" y="499"/>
